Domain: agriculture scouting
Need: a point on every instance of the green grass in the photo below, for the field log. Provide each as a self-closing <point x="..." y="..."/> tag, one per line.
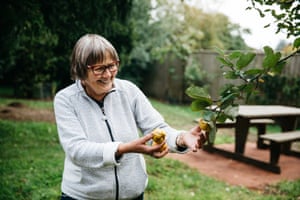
<point x="30" y="103"/>
<point x="178" y="116"/>
<point x="31" y="161"/>
<point x="31" y="164"/>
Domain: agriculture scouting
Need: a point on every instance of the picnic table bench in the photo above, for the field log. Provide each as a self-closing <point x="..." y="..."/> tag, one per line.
<point x="277" y="142"/>
<point x="260" y="125"/>
<point x="284" y="116"/>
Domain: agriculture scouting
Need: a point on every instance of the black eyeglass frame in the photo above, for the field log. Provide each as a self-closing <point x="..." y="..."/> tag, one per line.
<point x="101" y="69"/>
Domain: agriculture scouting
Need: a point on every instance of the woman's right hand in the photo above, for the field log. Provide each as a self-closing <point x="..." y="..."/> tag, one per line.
<point x="140" y="146"/>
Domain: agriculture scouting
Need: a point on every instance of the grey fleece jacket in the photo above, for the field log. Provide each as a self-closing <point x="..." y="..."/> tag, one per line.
<point x="90" y="138"/>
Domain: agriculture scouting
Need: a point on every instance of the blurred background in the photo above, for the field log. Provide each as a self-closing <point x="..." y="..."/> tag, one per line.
<point x="164" y="46"/>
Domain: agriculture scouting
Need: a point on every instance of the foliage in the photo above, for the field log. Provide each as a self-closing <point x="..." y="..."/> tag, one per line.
<point x="278" y="90"/>
<point x="200" y="30"/>
<point x="32" y="46"/>
<point x="195" y="75"/>
<point x="237" y="67"/>
<point x="164" y="29"/>
<point x="187" y="29"/>
<point x="286" y="17"/>
<point x="138" y="60"/>
<point x="38" y="37"/>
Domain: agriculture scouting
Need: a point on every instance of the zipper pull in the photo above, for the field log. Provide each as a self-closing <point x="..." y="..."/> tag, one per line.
<point x="102" y="108"/>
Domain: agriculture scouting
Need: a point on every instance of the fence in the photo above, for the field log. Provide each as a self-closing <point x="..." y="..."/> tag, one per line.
<point x="166" y="81"/>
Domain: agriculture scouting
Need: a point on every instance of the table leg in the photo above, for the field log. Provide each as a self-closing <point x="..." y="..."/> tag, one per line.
<point x="274" y="152"/>
<point x="287" y="124"/>
<point x="241" y="133"/>
<point x="261" y="130"/>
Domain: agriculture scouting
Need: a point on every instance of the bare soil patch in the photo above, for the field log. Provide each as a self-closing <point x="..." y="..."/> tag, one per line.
<point x="20" y="112"/>
<point x="214" y="165"/>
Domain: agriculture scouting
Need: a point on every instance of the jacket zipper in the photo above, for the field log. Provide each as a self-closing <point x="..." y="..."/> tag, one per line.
<point x="112" y="139"/>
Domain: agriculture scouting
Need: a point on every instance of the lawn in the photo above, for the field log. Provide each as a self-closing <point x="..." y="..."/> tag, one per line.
<point x="31" y="164"/>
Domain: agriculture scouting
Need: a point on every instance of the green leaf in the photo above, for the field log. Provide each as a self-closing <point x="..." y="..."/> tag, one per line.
<point x="248" y="88"/>
<point x="200" y="104"/>
<point x="232" y="111"/>
<point x="268" y="50"/>
<point x="230" y="94"/>
<point x="225" y="62"/>
<point x="296" y="43"/>
<point x="278" y="68"/>
<point x="196" y="92"/>
<point x="253" y="71"/>
<point x="227" y="88"/>
<point x="230" y="75"/>
<point x="245" y="60"/>
<point x="228" y="99"/>
<point x="235" y="55"/>
<point x="209" y="115"/>
<point x="221" y="117"/>
<point x="271" y="59"/>
<point x="219" y="51"/>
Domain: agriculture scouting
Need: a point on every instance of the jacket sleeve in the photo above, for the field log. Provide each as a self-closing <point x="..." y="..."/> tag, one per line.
<point x="148" y="118"/>
<point x="73" y="139"/>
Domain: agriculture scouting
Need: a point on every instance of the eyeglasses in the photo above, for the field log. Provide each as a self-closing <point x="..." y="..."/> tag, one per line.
<point x="100" y="69"/>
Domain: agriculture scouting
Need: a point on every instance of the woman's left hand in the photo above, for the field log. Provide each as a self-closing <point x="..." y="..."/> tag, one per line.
<point x="195" y="138"/>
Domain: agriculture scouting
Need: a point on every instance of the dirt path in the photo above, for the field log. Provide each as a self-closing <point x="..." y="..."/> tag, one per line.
<point x="238" y="173"/>
<point x="214" y="165"/>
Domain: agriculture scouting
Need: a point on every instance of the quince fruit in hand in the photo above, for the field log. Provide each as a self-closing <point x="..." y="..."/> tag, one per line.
<point x="204" y="125"/>
<point x="159" y="137"/>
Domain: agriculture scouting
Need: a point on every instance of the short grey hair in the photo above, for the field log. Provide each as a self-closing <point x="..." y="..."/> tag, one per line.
<point x="88" y="50"/>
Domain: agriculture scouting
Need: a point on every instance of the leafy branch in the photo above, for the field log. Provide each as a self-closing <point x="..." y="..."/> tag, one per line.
<point x="236" y="66"/>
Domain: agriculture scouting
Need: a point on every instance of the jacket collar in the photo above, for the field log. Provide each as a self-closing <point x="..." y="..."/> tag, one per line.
<point x="81" y="89"/>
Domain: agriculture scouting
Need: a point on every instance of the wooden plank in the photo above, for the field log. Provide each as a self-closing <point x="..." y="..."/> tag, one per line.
<point x="267" y="111"/>
<point x="282" y="137"/>
<point x="253" y="122"/>
<point x="231" y="124"/>
<point x="262" y="121"/>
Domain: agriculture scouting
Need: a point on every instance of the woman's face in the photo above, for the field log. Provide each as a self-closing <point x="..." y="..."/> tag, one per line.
<point x="100" y="77"/>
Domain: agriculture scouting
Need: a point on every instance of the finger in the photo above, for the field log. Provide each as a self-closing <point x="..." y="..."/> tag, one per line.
<point x="204" y="134"/>
<point x="201" y="141"/>
<point x="207" y="135"/>
<point x="160" y="149"/>
<point x="199" y="144"/>
<point x="195" y="148"/>
<point x="160" y="154"/>
<point x="147" y="137"/>
<point x="195" y="131"/>
<point x="156" y="147"/>
<point x="162" y="146"/>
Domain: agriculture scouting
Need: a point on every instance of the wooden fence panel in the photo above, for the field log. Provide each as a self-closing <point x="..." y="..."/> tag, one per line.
<point x="166" y="81"/>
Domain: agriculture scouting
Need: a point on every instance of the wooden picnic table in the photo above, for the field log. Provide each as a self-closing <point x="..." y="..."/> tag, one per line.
<point x="284" y="116"/>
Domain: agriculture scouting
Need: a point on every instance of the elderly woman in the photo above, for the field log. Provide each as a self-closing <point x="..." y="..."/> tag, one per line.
<point x="99" y="118"/>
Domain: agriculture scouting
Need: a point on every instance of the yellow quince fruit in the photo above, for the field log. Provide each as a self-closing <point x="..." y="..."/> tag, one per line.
<point x="158" y="137"/>
<point x="204" y="125"/>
